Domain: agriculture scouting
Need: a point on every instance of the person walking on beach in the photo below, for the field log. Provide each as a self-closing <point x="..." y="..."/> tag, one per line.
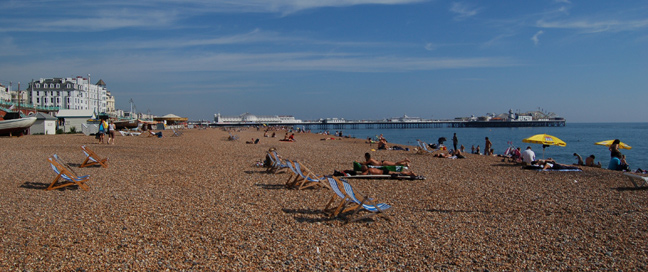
<point x="455" y="141"/>
<point x="111" y="132"/>
<point x="487" y="147"/>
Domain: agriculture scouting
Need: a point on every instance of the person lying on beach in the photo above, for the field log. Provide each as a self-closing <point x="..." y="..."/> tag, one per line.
<point x="451" y="155"/>
<point x="370" y="161"/>
<point x="552" y="164"/>
<point x="375" y="171"/>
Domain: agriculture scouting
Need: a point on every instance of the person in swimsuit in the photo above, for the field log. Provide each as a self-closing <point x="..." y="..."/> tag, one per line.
<point x="375" y="171"/>
<point x="370" y="161"/>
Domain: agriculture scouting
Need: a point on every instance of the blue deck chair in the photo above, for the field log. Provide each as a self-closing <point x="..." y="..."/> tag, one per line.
<point x="306" y="178"/>
<point x="276" y="163"/>
<point x="367" y="204"/>
<point x="423" y="147"/>
<point x="334" y="210"/>
<point x="68" y="178"/>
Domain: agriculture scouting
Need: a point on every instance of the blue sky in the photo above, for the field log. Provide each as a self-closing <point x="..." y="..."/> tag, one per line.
<point x="353" y="59"/>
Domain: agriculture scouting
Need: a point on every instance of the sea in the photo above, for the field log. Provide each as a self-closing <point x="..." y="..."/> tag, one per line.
<point x="580" y="138"/>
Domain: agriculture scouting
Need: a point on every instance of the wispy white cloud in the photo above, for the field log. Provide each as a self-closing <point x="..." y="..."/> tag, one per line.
<point x="563" y="1"/>
<point x="535" y="37"/>
<point x="430" y="46"/>
<point x="594" y="26"/>
<point x="463" y="11"/>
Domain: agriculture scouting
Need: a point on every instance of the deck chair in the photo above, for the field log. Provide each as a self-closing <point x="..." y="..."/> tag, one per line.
<point x="232" y="137"/>
<point x="343" y="199"/>
<point x="124" y="133"/>
<point x="367" y="204"/>
<point x="637" y="180"/>
<point x="176" y="133"/>
<point x="92" y="158"/>
<point x="304" y="178"/>
<point x="68" y="177"/>
<point x="423" y="147"/>
<point x="276" y="163"/>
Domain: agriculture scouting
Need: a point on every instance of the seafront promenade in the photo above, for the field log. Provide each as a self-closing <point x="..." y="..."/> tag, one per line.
<point x="198" y="202"/>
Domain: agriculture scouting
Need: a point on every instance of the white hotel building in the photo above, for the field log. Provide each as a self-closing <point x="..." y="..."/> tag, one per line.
<point x="71" y="94"/>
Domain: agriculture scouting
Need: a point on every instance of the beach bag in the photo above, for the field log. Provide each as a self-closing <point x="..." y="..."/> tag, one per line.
<point x="101" y="128"/>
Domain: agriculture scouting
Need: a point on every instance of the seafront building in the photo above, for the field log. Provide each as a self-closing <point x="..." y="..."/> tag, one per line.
<point x="71" y="94"/>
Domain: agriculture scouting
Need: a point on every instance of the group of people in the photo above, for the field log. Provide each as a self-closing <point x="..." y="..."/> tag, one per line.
<point x="105" y="128"/>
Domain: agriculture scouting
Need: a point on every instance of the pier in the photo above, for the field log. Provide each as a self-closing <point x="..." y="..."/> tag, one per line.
<point x="402" y="125"/>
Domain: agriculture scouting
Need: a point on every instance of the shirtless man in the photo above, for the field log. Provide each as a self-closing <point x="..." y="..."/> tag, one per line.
<point x="589" y="161"/>
<point x="370" y="161"/>
<point x="375" y="171"/>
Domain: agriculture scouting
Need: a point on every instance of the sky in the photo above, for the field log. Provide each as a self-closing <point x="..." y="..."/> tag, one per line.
<point x="586" y="61"/>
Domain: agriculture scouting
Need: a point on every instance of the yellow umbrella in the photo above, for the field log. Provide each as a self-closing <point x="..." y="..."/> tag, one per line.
<point x="609" y="143"/>
<point x="545" y="140"/>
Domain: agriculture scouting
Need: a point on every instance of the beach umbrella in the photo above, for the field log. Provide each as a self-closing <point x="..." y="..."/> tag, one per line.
<point x="609" y="143"/>
<point x="545" y="140"/>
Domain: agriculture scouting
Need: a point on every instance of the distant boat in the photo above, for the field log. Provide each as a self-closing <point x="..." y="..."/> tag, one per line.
<point x="16" y="126"/>
<point x="126" y="124"/>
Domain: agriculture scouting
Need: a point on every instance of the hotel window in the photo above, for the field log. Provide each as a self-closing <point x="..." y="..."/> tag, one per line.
<point x="51" y="85"/>
<point x="58" y="85"/>
<point x="37" y="100"/>
<point x="69" y="86"/>
<point x="37" y="85"/>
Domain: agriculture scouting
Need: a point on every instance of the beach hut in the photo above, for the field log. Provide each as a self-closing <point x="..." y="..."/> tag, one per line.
<point x="68" y="119"/>
<point x="45" y="124"/>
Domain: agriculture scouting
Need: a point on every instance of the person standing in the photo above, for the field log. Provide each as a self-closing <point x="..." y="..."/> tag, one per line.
<point x="455" y="141"/>
<point x="487" y="147"/>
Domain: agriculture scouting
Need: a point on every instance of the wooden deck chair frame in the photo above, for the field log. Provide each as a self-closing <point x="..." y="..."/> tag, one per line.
<point x="92" y="158"/>
<point x="68" y="177"/>
<point x="308" y="179"/>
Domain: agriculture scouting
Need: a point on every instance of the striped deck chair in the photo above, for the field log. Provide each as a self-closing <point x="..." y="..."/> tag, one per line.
<point x="423" y="147"/>
<point x="68" y="178"/>
<point x="92" y="158"/>
<point x="367" y="204"/>
<point x="176" y="133"/>
<point x="276" y="163"/>
<point x="344" y="200"/>
<point x="304" y="178"/>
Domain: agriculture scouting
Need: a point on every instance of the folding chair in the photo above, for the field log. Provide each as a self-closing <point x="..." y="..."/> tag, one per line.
<point x="92" y="158"/>
<point x="367" y="204"/>
<point x="68" y="177"/>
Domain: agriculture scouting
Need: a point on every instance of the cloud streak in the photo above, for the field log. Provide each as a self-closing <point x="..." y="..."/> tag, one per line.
<point x="535" y="37"/>
<point x="463" y="11"/>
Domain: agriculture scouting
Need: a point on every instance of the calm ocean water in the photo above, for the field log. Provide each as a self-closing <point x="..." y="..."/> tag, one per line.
<point x="580" y="138"/>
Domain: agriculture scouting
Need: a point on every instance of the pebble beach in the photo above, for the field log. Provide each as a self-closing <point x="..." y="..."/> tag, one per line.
<point x="198" y="202"/>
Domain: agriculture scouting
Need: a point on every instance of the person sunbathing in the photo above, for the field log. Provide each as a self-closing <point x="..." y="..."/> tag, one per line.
<point x="552" y="164"/>
<point x="375" y="171"/>
<point x="370" y="161"/>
